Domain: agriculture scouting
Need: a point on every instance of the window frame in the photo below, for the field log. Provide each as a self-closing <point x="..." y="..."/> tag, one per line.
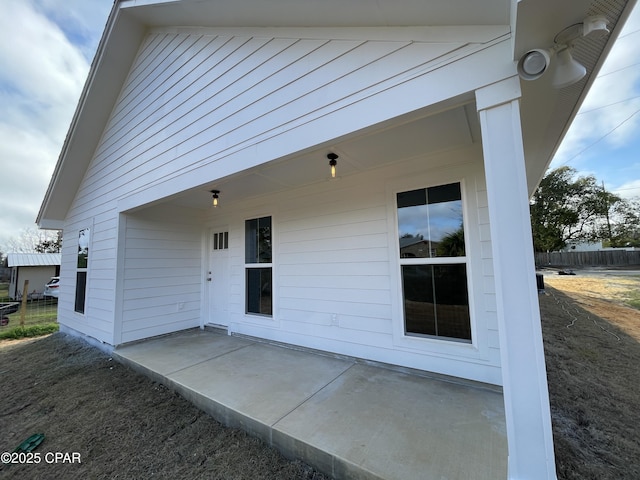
<point x="432" y="261"/>
<point x="468" y="171"/>
<point x="82" y="274"/>
<point x="249" y="266"/>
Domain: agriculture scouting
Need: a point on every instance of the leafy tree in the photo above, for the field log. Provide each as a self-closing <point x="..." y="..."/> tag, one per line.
<point x="567" y="209"/>
<point x="623" y="226"/>
<point x="50" y="245"/>
<point x="31" y="240"/>
<point x="452" y="245"/>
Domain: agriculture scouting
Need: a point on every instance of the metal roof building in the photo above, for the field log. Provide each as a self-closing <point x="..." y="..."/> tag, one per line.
<point x="33" y="259"/>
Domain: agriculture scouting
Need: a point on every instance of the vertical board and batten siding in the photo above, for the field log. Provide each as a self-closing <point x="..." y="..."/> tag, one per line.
<point x="162" y="277"/>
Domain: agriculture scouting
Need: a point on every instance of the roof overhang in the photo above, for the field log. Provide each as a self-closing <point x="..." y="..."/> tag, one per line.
<point x="546" y="114"/>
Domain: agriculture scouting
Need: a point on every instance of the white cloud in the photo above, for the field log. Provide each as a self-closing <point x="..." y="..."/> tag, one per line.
<point x="83" y="20"/>
<point x="609" y="112"/>
<point x="629" y="189"/>
<point x="41" y="77"/>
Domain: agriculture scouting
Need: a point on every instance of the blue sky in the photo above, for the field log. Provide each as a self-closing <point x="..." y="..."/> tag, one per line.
<point x="604" y="139"/>
<point x="46" y="48"/>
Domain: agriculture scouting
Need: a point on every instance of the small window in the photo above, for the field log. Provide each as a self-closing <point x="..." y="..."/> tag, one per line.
<point x="81" y="273"/>
<point x="81" y="291"/>
<point x="258" y="266"/>
<point x="433" y="263"/>
<point x="221" y="241"/>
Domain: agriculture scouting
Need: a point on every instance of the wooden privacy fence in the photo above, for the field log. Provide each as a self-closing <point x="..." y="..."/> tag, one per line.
<point x="601" y="258"/>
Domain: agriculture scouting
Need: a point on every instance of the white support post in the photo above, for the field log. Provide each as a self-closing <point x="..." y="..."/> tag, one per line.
<point x="526" y="393"/>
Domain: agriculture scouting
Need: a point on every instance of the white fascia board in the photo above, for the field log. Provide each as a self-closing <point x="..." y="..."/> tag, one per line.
<point x="109" y="68"/>
<point x="453" y="34"/>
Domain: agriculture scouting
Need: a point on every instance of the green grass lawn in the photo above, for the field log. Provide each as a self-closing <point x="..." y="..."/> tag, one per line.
<point x="40" y="317"/>
<point x="633" y="296"/>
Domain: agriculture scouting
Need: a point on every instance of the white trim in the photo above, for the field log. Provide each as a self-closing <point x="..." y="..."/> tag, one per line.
<point x="477" y="350"/>
<point x="87" y="269"/>
<point x="526" y="396"/>
<point x="205" y="261"/>
<point x="431" y="34"/>
<point x="118" y="308"/>
<point x="256" y="318"/>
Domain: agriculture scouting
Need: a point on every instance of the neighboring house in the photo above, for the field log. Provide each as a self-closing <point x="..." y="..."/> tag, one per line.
<point x="37" y="268"/>
<point x="432" y="131"/>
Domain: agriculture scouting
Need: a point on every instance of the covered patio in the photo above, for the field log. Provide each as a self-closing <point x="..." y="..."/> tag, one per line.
<point x="346" y="417"/>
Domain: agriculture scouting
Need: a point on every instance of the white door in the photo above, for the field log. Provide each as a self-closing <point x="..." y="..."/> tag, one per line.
<point x="218" y="276"/>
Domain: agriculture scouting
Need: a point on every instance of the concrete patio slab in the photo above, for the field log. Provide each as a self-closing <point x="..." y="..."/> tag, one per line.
<point x="172" y="353"/>
<point x="262" y="382"/>
<point x="399" y="426"/>
<point x="349" y="419"/>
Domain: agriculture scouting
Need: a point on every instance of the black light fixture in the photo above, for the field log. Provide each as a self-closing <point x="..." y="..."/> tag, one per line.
<point x="215" y="197"/>
<point x="332" y="163"/>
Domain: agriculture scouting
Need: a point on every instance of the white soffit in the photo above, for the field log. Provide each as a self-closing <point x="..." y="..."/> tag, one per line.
<point x="313" y="13"/>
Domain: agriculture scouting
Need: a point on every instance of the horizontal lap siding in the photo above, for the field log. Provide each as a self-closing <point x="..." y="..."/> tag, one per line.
<point x="162" y="278"/>
<point x="333" y="266"/>
<point x="97" y="320"/>
<point x="192" y="99"/>
<point x="488" y="305"/>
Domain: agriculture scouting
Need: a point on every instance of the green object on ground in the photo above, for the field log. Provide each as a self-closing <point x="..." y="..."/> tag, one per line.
<point x="30" y="443"/>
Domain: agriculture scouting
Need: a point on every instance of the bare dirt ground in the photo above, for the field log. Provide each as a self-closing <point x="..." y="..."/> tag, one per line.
<point x="121" y="424"/>
<point x="593" y="365"/>
<point x="603" y="294"/>
<point x="125" y="426"/>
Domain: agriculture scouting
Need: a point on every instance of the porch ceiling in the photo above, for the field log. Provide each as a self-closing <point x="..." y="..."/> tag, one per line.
<point x="407" y="137"/>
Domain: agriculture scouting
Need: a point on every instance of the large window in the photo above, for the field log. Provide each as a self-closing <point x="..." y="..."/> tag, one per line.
<point x="433" y="263"/>
<point x="258" y="266"/>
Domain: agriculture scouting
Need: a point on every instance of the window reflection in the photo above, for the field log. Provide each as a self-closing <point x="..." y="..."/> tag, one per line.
<point x="258" y="240"/>
<point x="430" y="222"/>
<point x="258" y="279"/>
<point x="436" y="299"/>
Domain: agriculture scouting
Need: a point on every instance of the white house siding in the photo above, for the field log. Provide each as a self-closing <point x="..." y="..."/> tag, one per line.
<point x="196" y="105"/>
<point x="162" y="279"/>
<point x="197" y="97"/>
<point x="97" y="319"/>
<point x="335" y="268"/>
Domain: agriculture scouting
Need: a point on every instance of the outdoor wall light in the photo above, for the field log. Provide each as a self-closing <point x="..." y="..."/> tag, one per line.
<point x="332" y="163"/>
<point x="567" y="71"/>
<point x="215" y="197"/>
<point x="534" y="63"/>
